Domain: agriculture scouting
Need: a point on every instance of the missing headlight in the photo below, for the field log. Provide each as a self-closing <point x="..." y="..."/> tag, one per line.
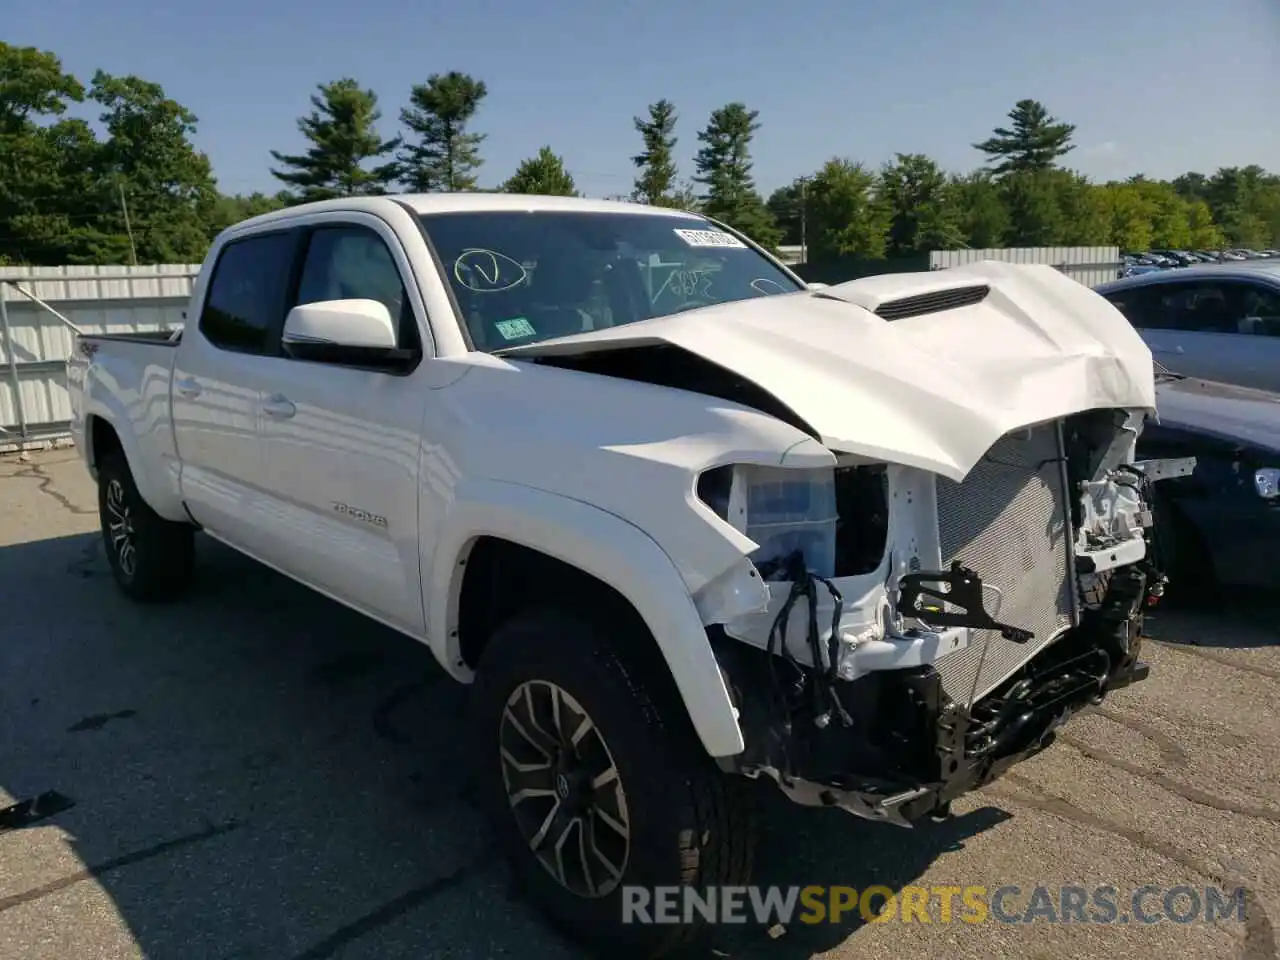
<point x="862" y="533"/>
<point x="837" y="520"/>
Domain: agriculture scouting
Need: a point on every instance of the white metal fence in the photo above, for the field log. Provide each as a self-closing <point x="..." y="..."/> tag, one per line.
<point x="1090" y="265"/>
<point x="41" y="307"/>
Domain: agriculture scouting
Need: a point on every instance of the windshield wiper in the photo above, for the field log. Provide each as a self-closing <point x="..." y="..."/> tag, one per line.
<point x="1164" y="374"/>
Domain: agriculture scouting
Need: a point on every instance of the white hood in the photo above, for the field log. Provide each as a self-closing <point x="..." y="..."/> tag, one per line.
<point x="934" y="391"/>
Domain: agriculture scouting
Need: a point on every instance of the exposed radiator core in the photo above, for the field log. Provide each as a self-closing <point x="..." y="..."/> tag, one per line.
<point x="1008" y="522"/>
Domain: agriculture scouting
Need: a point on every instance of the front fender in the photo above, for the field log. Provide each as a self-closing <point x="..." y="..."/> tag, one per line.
<point x="608" y="548"/>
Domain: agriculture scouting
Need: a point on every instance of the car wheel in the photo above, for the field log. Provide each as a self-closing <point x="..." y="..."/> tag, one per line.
<point x="596" y="782"/>
<point x="151" y="558"/>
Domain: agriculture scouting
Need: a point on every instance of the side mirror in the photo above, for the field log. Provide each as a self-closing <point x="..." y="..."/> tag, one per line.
<point x="818" y="286"/>
<point x="354" y="333"/>
<point x="359" y="324"/>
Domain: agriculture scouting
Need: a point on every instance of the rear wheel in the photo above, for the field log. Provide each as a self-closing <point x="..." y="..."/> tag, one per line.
<point x="595" y="782"/>
<point x="151" y="558"/>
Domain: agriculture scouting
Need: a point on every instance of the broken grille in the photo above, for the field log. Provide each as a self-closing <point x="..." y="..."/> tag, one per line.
<point x="1008" y="522"/>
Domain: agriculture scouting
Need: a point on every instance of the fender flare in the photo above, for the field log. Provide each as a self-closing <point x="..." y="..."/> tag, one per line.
<point x="113" y="414"/>
<point x="605" y="546"/>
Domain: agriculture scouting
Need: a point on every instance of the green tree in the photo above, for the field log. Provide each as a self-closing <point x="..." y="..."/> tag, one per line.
<point x="656" y="182"/>
<point x="1035" y="218"/>
<point x="1205" y="234"/>
<point x="46" y="172"/>
<point x="1032" y="143"/>
<point x="921" y="215"/>
<point x="724" y="165"/>
<point x="542" y="174"/>
<point x="980" y="210"/>
<point x="845" y="216"/>
<point x="229" y="209"/>
<point x="151" y="173"/>
<point x="343" y="136"/>
<point x="1084" y="217"/>
<point x="445" y="156"/>
<point x="684" y="196"/>
<point x="1245" y="202"/>
<point x="1170" y="215"/>
<point x="1130" y="213"/>
<point x="1191" y="186"/>
<point x="786" y="206"/>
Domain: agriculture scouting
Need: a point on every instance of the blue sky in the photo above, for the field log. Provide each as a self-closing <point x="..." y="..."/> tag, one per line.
<point x="1157" y="86"/>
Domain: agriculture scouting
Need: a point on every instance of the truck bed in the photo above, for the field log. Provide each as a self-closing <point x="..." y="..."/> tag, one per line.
<point x="168" y="338"/>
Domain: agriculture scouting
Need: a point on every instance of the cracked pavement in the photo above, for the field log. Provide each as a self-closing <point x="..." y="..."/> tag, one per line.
<point x="258" y="772"/>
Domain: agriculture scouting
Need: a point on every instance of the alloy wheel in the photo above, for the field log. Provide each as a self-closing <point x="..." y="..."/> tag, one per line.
<point x="564" y="789"/>
<point x="120" y="528"/>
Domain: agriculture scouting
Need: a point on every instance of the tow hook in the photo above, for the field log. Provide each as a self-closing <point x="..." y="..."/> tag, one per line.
<point x="1156" y="591"/>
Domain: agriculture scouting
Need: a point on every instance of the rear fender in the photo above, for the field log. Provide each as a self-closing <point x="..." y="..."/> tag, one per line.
<point x="162" y="498"/>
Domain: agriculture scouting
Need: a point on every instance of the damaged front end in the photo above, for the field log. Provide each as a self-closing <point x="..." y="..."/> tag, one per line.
<point x="921" y="635"/>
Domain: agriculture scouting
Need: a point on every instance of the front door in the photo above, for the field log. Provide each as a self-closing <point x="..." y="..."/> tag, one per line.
<point x="342" y="444"/>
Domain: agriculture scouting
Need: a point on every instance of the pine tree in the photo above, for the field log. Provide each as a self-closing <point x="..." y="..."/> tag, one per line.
<point x="724" y="168"/>
<point x="445" y="156"/>
<point x="542" y="174"/>
<point x="343" y="135"/>
<point x="656" y="162"/>
<point x="1033" y="143"/>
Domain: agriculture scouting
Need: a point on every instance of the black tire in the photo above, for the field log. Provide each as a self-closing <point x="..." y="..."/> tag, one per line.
<point x="689" y="824"/>
<point x="152" y="559"/>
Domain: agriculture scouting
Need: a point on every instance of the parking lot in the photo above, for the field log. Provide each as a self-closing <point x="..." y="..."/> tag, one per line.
<point x="258" y="772"/>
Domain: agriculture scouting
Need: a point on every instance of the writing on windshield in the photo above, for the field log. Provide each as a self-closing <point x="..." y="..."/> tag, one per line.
<point x="520" y="277"/>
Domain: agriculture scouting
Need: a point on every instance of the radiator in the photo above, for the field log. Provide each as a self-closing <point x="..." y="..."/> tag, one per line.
<point x="1009" y="522"/>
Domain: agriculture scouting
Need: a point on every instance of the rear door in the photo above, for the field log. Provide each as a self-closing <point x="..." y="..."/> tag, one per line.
<point x="220" y="375"/>
<point x="342" y="443"/>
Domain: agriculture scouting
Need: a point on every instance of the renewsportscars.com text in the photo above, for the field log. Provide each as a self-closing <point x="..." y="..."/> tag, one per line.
<point x="970" y="904"/>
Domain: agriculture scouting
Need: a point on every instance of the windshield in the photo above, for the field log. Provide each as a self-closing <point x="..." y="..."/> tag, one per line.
<point x="520" y="277"/>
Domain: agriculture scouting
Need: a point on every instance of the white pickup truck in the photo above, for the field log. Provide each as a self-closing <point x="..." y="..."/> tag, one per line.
<point x="680" y="519"/>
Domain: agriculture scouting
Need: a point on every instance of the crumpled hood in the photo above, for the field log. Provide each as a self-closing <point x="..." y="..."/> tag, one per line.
<point x="1235" y="414"/>
<point x="934" y="391"/>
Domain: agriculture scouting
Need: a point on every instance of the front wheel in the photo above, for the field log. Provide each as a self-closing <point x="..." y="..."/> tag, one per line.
<point x="151" y="558"/>
<point x="598" y="789"/>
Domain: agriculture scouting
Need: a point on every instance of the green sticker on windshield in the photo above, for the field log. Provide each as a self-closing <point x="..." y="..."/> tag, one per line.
<point x="515" y="328"/>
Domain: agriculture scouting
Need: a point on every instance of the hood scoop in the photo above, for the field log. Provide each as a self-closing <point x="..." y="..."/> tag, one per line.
<point x="935" y="302"/>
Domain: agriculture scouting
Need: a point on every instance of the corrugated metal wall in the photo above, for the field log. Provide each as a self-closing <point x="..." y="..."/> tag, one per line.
<point x="34" y="344"/>
<point x="1089" y="265"/>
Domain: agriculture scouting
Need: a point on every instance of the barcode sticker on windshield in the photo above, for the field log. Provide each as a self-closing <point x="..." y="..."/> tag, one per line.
<point x="709" y="238"/>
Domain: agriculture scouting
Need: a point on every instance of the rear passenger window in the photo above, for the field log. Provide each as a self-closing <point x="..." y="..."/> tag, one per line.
<point x="246" y="294"/>
<point x="1259" y="311"/>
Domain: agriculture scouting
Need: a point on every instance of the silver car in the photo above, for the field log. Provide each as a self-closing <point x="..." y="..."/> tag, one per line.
<point x="1216" y="321"/>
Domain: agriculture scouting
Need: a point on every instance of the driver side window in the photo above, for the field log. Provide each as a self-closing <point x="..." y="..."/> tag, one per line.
<point x="351" y="262"/>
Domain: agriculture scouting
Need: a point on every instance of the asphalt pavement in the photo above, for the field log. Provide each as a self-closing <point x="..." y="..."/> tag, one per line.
<point x="257" y="772"/>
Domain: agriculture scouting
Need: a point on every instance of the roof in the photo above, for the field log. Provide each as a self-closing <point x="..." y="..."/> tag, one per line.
<point x="430" y="203"/>
<point x="1267" y="270"/>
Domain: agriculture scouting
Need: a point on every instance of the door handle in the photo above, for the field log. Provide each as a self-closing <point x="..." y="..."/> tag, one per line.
<point x="279" y="407"/>
<point x="187" y="387"/>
